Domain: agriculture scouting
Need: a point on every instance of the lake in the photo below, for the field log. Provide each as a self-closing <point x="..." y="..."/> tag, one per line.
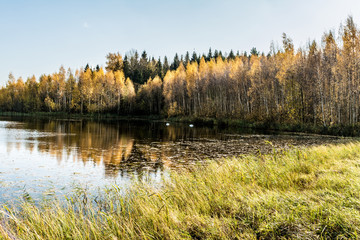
<point x="52" y="157"/>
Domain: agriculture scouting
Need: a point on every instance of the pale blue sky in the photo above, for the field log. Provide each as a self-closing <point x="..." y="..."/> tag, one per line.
<point x="39" y="36"/>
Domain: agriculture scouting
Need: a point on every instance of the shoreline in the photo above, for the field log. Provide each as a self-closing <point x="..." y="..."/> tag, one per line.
<point x="334" y="130"/>
<point x="301" y="193"/>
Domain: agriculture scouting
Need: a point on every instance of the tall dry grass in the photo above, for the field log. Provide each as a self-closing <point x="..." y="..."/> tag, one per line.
<point x="298" y="194"/>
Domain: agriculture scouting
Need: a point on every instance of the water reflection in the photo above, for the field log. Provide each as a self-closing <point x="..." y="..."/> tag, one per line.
<point x="120" y="146"/>
<point x="47" y="155"/>
<point x="123" y="147"/>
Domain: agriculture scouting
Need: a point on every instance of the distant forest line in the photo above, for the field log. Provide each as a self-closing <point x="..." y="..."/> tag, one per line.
<point x="317" y="84"/>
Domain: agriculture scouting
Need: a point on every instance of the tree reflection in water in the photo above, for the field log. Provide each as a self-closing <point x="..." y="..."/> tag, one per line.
<point x="124" y="147"/>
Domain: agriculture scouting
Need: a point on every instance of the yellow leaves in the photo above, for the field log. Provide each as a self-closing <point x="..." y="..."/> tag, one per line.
<point x="203" y="69"/>
<point x="99" y="75"/>
<point x="168" y="85"/>
<point x="238" y="71"/>
<point x="287" y="62"/>
<point x="255" y="65"/>
<point x="119" y="79"/>
<point x="219" y="60"/>
<point x="157" y="82"/>
<point x="109" y="78"/>
<point x="152" y="85"/>
<point x="49" y="103"/>
<point x="329" y="41"/>
<point x="152" y="92"/>
<point x="192" y="77"/>
<point x="114" y="62"/>
<point x="130" y="89"/>
<point x="87" y="74"/>
<point x="180" y="73"/>
<point x="211" y="66"/>
<point x="31" y="80"/>
<point x="175" y="86"/>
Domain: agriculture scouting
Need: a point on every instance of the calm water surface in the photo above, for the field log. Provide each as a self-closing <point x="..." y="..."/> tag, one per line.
<point x="44" y="157"/>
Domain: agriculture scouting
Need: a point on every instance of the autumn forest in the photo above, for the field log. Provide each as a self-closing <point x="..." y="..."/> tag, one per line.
<point x="317" y="84"/>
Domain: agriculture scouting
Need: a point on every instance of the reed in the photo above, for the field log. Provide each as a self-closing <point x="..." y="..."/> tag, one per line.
<point x="297" y="194"/>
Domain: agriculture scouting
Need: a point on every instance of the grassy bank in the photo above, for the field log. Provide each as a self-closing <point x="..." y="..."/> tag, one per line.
<point x="308" y="194"/>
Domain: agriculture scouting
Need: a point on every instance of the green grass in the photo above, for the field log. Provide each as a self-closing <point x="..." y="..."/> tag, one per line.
<point x="298" y="194"/>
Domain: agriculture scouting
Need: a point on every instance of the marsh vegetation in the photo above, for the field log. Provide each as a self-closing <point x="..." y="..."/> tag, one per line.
<point x="300" y="194"/>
